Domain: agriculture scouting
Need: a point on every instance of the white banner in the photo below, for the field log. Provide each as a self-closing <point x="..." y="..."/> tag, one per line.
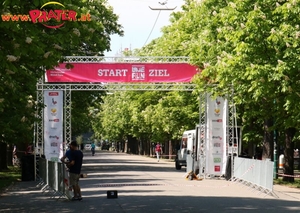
<point x="216" y="135"/>
<point x="53" y="125"/>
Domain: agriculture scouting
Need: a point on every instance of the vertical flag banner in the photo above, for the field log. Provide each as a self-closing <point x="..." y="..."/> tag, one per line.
<point x="216" y="135"/>
<point x="53" y="125"/>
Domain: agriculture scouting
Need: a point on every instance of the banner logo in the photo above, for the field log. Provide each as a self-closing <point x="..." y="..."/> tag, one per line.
<point x="217" y="107"/>
<point x="217" y="168"/>
<point x="217" y="144"/>
<point x="217" y="160"/>
<point x="138" y="72"/>
<point x="217" y="137"/>
<point x="217" y="120"/>
<point x="54" y="120"/>
<point x="53" y="111"/>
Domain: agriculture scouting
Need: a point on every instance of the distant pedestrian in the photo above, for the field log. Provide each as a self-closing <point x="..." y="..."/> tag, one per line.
<point x="93" y="148"/>
<point x="157" y="151"/>
<point x="177" y="147"/>
<point x="15" y="159"/>
<point x="29" y="150"/>
<point x="74" y="166"/>
<point x="118" y="146"/>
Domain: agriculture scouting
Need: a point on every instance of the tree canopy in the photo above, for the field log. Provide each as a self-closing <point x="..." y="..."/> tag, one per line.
<point x="150" y="116"/>
<point x="246" y="48"/>
<point x="28" y="49"/>
<point x="250" y="48"/>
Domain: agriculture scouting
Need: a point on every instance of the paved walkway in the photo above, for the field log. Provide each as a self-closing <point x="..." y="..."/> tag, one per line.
<point x="145" y="185"/>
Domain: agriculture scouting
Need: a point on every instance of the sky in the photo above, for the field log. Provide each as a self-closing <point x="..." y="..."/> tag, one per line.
<point x="138" y="20"/>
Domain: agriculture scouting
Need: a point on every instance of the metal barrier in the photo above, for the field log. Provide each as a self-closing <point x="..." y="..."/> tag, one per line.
<point x="257" y="174"/>
<point x="53" y="175"/>
<point x="61" y="182"/>
<point x="43" y="170"/>
<point x="53" y="178"/>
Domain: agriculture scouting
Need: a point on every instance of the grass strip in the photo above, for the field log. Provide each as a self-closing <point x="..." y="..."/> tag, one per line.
<point x="295" y="184"/>
<point x="9" y="176"/>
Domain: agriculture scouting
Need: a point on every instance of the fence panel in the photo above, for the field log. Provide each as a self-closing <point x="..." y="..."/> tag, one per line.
<point x="54" y="178"/>
<point x="52" y="174"/>
<point x="43" y="170"/>
<point x="61" y="184"/>
<point x="256" y="173"/>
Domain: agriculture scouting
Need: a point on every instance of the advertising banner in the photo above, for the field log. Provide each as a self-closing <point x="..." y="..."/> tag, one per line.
<point x="53" y="125"/>
<point x="122" y="72"/>
<point x="216" y="135"/>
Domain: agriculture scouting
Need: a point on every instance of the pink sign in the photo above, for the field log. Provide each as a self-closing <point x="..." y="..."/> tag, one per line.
<point x="122" y="72"/>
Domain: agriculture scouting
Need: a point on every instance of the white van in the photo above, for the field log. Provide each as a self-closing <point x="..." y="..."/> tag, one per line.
<point x="185" y="145"/>
<point x="87" y="146"/>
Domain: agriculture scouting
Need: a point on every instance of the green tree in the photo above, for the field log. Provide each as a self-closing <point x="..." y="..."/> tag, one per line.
<point x="256" y="54"/>
<point x="27" y="49"/>
<point x="176" y="37"/>
<point x="84" y="106"/>
<point x="251" y="48"/>
<point x="143" y="117"/>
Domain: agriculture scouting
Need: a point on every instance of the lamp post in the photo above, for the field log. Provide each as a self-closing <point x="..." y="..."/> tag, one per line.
<point x="275" y="170"/>
<point x="163" y="8"/>
<point x="275" y="173"/>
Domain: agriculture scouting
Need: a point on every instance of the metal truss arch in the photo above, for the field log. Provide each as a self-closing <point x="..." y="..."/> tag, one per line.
<point x="118" y="87"/>
<point x="42" y="86"/>
<point x="232" y="134"/>
<point x="127" y="59"/>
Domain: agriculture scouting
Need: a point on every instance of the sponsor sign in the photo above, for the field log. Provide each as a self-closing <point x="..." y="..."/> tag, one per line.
<point x="216" y="137"/>
<point x="53" y="125"/>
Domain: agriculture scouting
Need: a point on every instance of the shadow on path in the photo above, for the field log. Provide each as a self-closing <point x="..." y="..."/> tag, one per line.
<point x="144" y="186"/>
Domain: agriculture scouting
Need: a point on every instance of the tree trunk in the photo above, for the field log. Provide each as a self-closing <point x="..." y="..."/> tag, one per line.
<point x="288" y="167"/>
<point x="152" y="151"/>
<point x="133" y="145"/>
<point x="166" y="149"/>
<point x="9" y="155"/>
<point x="3" y="156"/>
<point x="268" y="144"/>
<point x="140" y="146"/>
<point x="170" y="149"/>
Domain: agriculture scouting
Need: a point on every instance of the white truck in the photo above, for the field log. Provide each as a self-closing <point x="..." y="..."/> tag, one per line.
<point x="186" y="145"/>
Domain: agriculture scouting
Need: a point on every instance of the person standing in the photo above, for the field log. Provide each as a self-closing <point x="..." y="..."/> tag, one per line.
<point x="15" y="160"/>
<point x="66" y="159"/>
<point x="157" y="151"/>
<point x="74" y="165"/>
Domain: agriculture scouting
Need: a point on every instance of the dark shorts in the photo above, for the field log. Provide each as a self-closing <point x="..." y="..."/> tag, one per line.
<point x="74" y="179"/>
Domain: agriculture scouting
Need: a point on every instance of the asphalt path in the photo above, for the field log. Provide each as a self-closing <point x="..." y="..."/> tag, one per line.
<point x="145" y="185"/>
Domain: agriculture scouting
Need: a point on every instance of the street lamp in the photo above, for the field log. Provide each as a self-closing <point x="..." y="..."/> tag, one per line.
<point x="275" y="169"/>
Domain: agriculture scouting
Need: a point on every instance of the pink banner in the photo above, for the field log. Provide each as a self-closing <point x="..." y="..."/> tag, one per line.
<point x="122" y="72"/>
